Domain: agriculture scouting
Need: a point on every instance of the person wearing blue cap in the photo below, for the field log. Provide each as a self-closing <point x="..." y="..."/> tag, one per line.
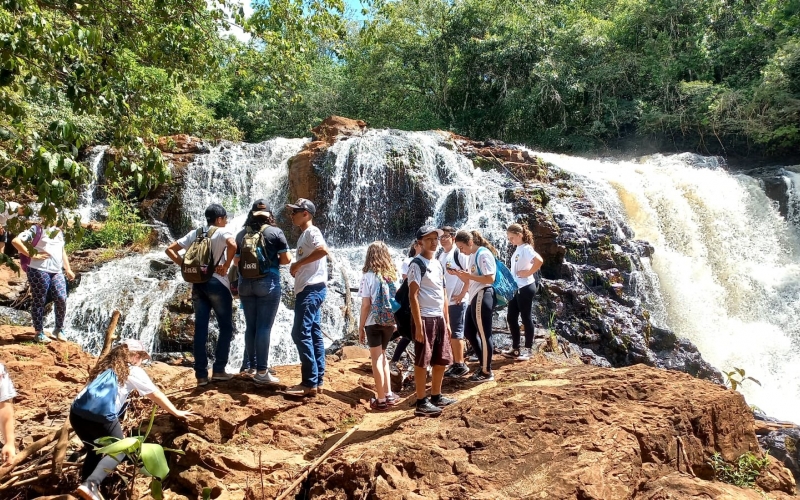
<point x="310" y="271"/>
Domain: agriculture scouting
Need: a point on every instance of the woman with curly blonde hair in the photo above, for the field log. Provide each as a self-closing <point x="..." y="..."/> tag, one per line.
<point x="376" y="323"/>
<point x="98" y="408"/>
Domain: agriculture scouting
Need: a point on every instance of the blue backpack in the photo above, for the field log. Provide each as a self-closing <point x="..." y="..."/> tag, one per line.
<point x="504" y="284"/>
<point x="99" y="402"/>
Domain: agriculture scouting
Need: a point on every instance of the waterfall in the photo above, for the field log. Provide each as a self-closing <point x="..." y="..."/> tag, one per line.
<point x="92" y="205"/>
<point x="363" y="175"/>
<point x="726" y="263"/>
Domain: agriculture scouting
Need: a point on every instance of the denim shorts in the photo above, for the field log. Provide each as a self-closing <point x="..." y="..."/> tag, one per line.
<point x="457" y="313"/>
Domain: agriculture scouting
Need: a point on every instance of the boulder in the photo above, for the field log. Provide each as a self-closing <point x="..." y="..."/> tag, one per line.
<point x="334" y="127"/>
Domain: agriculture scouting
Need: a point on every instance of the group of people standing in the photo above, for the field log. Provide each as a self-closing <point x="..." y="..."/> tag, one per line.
<point x="449" y="290"/>
<point x="260" y="293"/>
<point x="451" y="298"/>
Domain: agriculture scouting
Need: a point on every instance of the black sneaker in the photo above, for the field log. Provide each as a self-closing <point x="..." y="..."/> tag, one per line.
<point x="442" y="401"/>
<point x="479" y="376"/>
<point x="458" y="370"/>
<point x="426" y="409"/>
<point x="511" y="353"/>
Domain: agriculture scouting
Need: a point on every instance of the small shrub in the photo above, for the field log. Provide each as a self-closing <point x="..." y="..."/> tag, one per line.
<point x="742" y="473"/>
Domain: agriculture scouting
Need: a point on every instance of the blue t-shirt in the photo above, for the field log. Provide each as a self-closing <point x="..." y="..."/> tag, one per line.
<point x="274" y="242"/>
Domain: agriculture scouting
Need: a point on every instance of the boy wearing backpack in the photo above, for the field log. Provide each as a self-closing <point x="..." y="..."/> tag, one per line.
<point x="310" y="272"/>
<point x="209" y="254"/>
<point x="451" y="258"/>
<point x="430" y="323"/>
<point x="97" y="409"/>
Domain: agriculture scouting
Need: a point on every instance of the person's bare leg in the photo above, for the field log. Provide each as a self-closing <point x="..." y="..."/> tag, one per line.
<point x="436" y="382"/>
<point x="458" y="350"/>
<point x="420" y="379"/>
<point x="378" y="360"/>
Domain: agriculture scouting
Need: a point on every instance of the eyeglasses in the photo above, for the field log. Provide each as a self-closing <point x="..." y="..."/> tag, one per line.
<point x="445" y="236"/>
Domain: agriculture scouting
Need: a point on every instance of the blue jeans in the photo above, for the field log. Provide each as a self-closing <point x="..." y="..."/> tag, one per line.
<point x="307" y="334"/>
<point x="260" y="300"/>
<point x="206" y="297"/>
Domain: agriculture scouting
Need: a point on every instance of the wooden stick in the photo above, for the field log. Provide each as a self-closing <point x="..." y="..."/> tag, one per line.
<point x="43" y="467"/>
<point x="61" y="447"/>
<point x="110" y="334"/>
<point x="30" y="450"/>
<point x="316" y="463"/>
<point x="685" y="457"/>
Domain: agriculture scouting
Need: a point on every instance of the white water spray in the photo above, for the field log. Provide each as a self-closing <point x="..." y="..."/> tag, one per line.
<point x="726" y="261"/>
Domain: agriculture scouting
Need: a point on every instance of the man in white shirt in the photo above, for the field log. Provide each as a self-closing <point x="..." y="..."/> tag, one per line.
<point x="450" y="257"/>
<point x="213" y="295"/>
<point x="310" y="271"/>
<point x="430" y="323"/>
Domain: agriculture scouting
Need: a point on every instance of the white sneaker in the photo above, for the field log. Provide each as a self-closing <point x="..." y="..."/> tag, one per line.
<point x="266" y="378"/>
<point x="89" y="491"/>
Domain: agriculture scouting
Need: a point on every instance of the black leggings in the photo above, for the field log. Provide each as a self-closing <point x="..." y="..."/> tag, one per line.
<point x="402" y="345"/>
<point x="88" y="431"/>
<point x="478" y="326"/>
<point x="522" y="304"/>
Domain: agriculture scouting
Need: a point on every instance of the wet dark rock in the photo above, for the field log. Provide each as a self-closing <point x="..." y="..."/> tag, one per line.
<point x="781" y="440"/>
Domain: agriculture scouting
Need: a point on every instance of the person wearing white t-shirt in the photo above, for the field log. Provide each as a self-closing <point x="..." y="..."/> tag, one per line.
<point x="214" y="294"/>
<point x="430" y="323"/>
<point x="46" y="278"/>
<point x="524" y="264"/>
<point x="451" y="257"/>
<point x="376" y="323"/>
<point x="479" y="276"/>
<point x="125" y="361"/>
<point x="12" y="210"/>
<point x="7" y="423"/>
<point x="310" y="271"/>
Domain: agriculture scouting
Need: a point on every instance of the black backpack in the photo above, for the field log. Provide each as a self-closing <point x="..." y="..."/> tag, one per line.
<point x="402" y="316"/>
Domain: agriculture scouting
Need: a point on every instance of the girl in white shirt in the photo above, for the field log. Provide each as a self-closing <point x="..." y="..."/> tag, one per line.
<point x="524" y="264"/>
<point x="125" y="360"/>
<point x="479" y="276"/>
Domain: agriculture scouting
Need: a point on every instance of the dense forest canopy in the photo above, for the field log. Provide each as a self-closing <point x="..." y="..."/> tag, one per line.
<point x="714" y="76"/>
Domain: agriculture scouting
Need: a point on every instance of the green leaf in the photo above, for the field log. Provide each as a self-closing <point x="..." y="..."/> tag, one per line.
<point x="154" y="460"/>
<point x="155" y="489"/>
<point x="126" y="445"/>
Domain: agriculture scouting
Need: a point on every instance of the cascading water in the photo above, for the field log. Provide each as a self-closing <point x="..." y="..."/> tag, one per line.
<point x="359" y="211"/>
<point x="92" y="205"/>
<point x="726" y="263"/>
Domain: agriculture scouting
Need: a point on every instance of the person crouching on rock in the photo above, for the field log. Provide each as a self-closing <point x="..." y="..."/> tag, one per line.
<point x="524" y="264"/>
<point x="430" y="323"/>
<point x="376" y="324"/>
<point x="479" y="275"/>
<point x="98" y="408"/>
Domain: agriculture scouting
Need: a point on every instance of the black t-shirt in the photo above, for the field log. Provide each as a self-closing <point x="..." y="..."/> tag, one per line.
<point x="275" y="243"/>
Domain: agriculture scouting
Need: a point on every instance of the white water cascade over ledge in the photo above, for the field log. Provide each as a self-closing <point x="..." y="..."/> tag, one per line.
<point x="234" y="175"/>
<point x="727" y="262"/>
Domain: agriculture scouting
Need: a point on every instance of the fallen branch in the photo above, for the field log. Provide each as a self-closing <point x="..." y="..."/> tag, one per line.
<point x="316" y="464"/>
<point x="30" y="450"/>
<point x="60" y="451"/>
<point x="68" y="465"/>
<point x="682" y="450"/>
<point x="109" y="334"/>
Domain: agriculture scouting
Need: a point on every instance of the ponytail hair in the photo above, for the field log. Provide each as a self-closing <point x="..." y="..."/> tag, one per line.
<point x="412" y="250"/>
<point x="522" y="230"/>
<point x="476" y="237"/>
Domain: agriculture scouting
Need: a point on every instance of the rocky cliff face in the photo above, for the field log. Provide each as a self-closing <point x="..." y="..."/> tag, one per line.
<point x="541" y="430"/>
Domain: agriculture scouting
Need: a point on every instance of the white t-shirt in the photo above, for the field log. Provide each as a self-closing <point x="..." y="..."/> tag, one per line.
<point x="9" y="213"/>
<point x="521" y="261"/>
<point x="369" y="288"/>
<point x="7" y="391"/>
<point x="137" y="380"/>
<point x="52" y="242"/>
<point x="431" y="287"/>
<point x="485" y="260"/>
<point x="404" y="266"/>
<point x="453" y="283"/>
<point x="317" y="271"/>
<point x="219" y="247"/>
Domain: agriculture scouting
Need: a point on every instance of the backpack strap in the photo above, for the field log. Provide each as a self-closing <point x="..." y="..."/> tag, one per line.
<point x="38" y="231"/>
<point x="422" y="267"/>
<point x="457" y="259"/>
<point x="209" y="234"/>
